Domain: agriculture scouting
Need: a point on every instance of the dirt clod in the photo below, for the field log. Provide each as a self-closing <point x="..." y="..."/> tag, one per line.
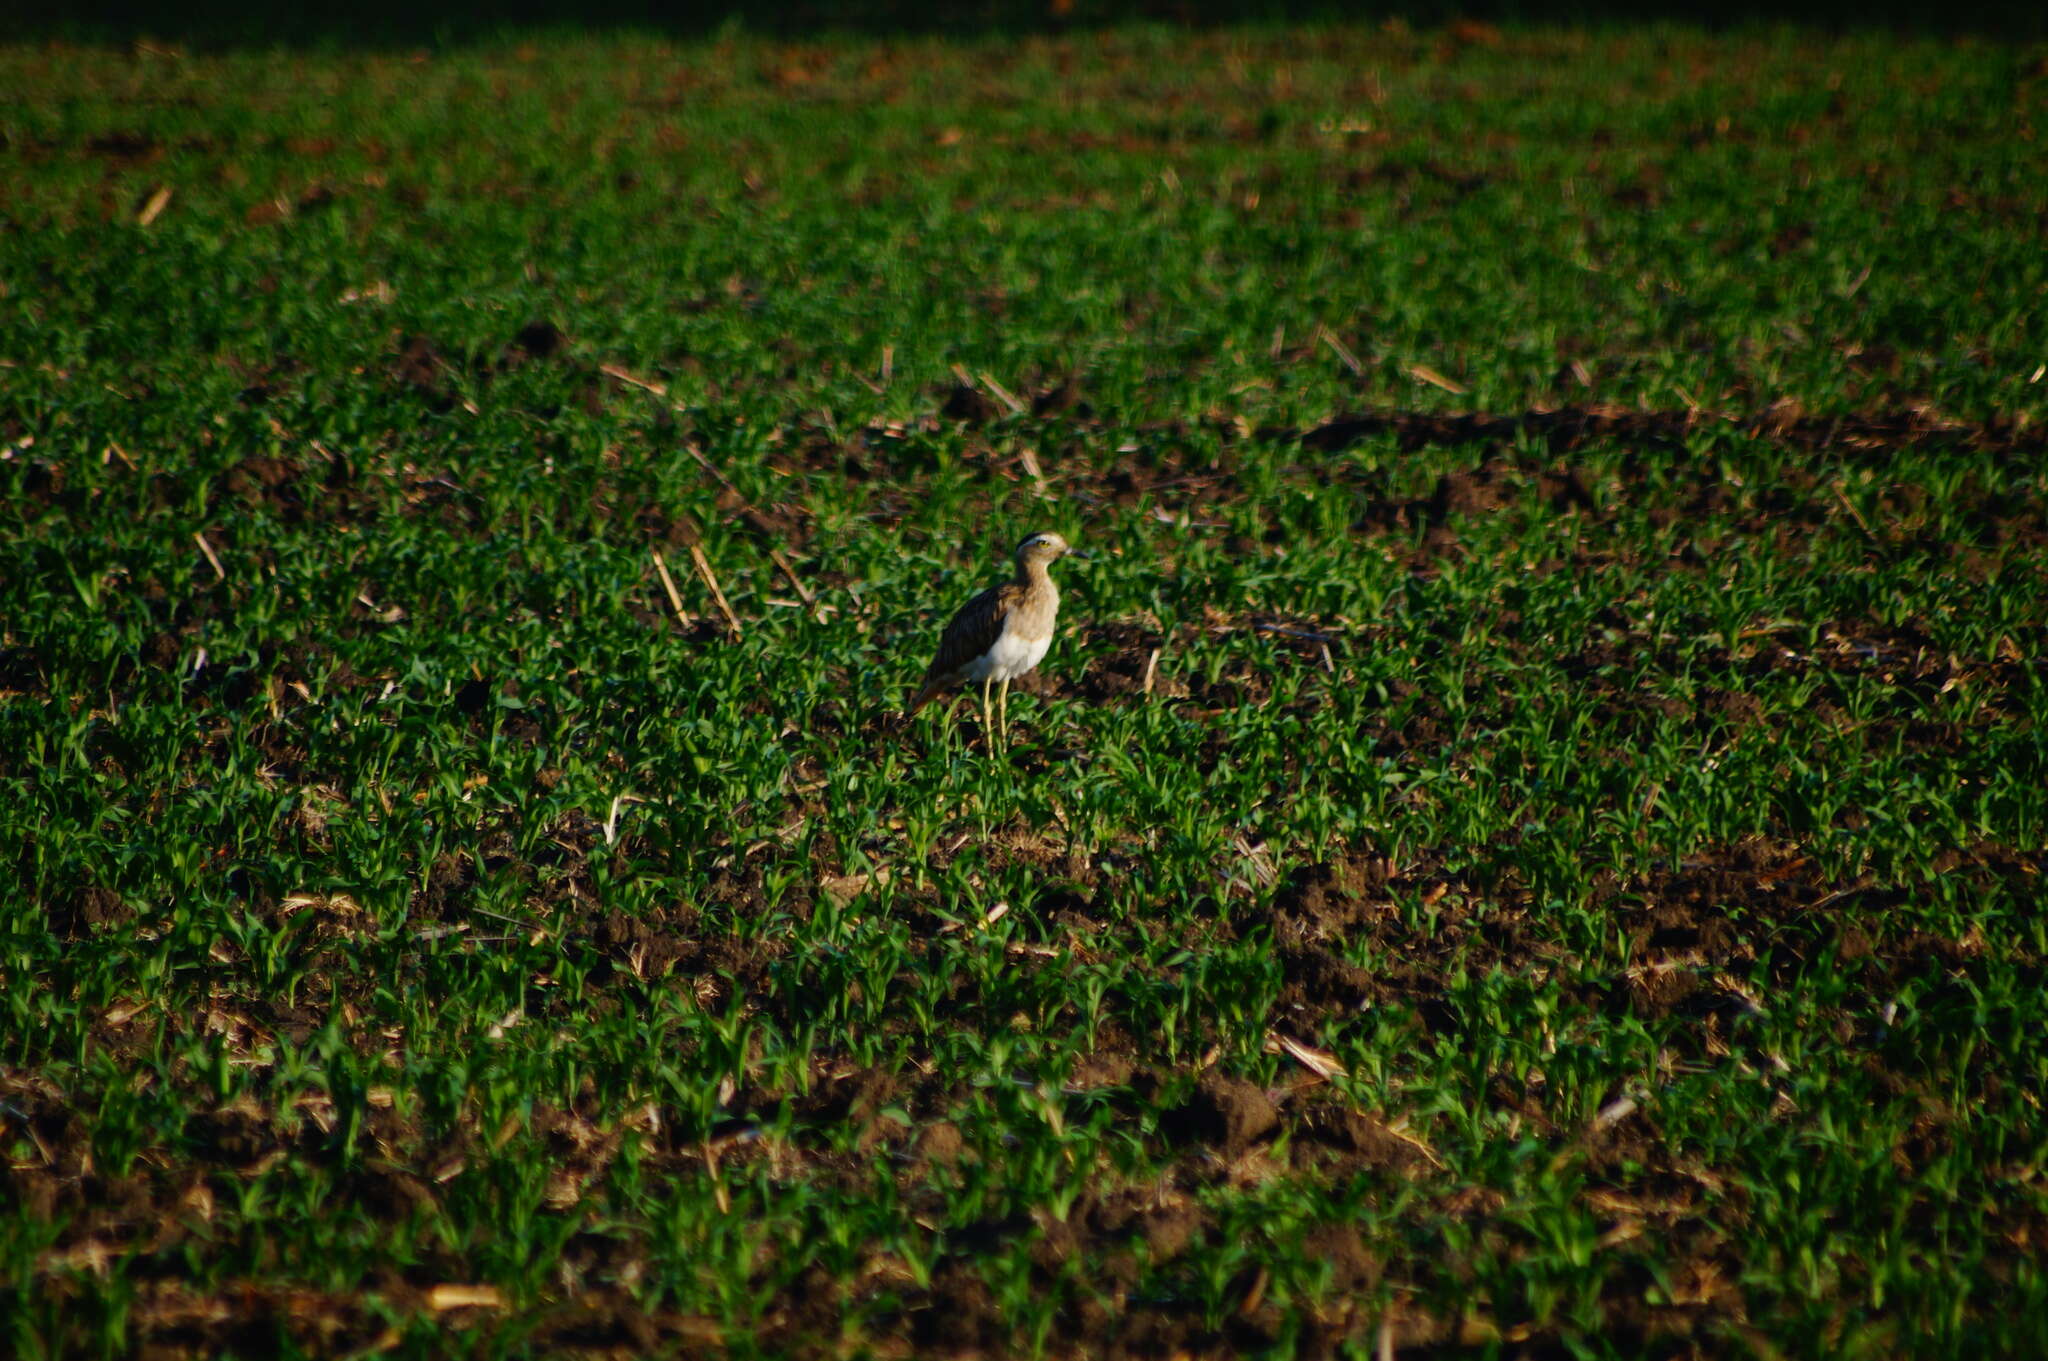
<point x="1227" y="1112"/>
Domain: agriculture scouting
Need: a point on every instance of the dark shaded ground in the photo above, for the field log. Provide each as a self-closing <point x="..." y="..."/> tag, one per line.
<point x="215" y="24"/>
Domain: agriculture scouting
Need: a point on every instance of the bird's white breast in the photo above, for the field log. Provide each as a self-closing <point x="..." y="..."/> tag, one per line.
<point x="1010" y="658"/>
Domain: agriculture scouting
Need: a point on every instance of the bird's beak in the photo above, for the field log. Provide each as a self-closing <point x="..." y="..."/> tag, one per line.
<point x="1077" y="553"/>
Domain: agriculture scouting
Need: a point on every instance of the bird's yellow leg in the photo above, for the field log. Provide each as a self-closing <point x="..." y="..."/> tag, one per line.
<point x="987" y="730"/>
<point x="1003" y="713"/>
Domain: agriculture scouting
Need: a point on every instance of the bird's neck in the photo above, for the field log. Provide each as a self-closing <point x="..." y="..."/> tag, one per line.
<point x="1033" y="576"/>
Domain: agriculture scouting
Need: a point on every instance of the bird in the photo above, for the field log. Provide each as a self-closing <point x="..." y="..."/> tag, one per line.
<point x="1000" y="634"/>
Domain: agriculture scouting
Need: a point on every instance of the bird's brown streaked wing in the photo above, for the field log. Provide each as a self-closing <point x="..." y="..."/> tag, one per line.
<point x="973" y="632"/>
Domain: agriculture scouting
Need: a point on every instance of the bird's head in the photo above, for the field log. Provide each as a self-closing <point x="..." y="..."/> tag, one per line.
<point x="1045" y="548"/>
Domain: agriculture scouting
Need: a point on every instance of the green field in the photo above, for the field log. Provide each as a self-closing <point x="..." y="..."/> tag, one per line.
<point x="1527" y="842"/>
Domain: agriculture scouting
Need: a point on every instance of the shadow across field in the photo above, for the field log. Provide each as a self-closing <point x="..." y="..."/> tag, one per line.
<point x="229" y="24"/>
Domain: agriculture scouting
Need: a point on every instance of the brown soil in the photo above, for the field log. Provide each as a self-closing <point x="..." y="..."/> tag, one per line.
<point x="1567" y="428"/>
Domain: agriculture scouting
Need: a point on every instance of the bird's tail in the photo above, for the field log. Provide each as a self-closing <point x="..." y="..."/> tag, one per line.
<point x="925" y="694"/>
